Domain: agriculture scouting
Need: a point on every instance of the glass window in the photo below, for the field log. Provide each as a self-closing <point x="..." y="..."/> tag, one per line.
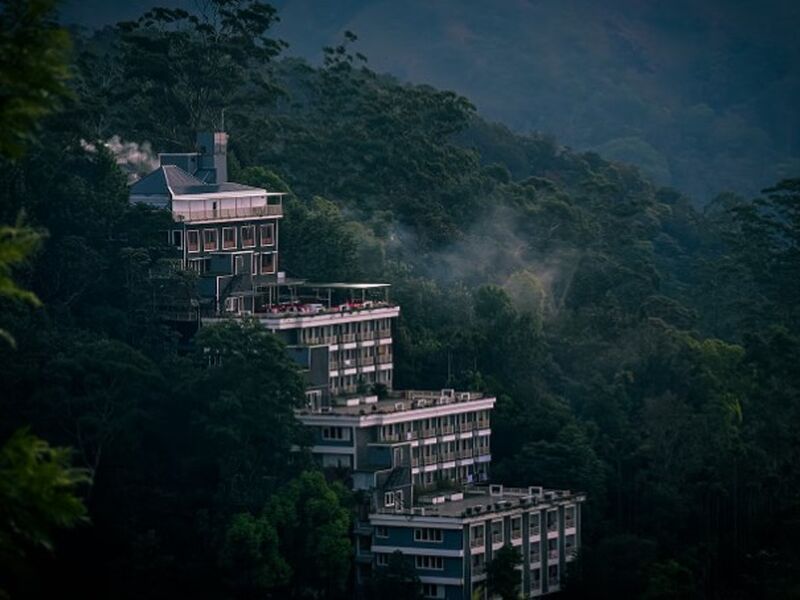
<point x="248" y="236"/>
<point x="267" y="232"/>
<point x="209" y="239"/>
<point x="228" y="238"/>
<point x="193" y="240"/>
<point x="267" y="263"/>
<point x="177" y="238"/>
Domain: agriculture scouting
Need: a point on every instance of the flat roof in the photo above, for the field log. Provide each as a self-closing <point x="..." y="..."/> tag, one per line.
<point x="397" y="402"/>
<point x="472" y="502"/>
<point x="348" y="286"/>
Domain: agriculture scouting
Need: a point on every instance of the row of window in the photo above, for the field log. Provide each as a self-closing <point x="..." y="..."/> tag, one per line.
<point x="336" y="433"/>
<point x="229" y="237"/>
<point x="467" y="473"/>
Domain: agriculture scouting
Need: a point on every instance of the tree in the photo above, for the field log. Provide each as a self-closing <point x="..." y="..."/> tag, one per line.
<point x="37" y="497"/>
<point x="502" y="576"/>
<point x="312" y="519"/>
<point x="398" y="580"/>
<point x="185" y="69"/>
<point x="34" y="70"/>
<point x="250" y="556"/>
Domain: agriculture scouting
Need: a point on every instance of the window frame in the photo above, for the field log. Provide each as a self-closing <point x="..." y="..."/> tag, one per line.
<point x="179" y="244"/>
<point x="216" y="240"/>
<point x="270" y="238"/>
<point x="261" y="269"/>
<point x="225" y="245"/>
<point x="196" y="234"/>
<point x="253" y="238"/>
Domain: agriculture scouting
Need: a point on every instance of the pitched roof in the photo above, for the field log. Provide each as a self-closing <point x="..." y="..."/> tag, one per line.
<point x="169" y="180"/>
<point x="164" y="181"/>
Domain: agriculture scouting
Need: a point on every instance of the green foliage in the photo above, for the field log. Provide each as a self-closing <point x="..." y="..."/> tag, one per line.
<point x="502" y="576"/>
<point x="34" y="53"/>
<point x="397" y="581"/>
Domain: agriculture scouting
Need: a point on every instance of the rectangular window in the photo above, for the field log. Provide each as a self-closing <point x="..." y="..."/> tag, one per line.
<point x="497" y="532"/>
<point x="381" y="532"/>
<point x="552" y="520"/>
<point x="228" y="238"/>
<point x="177" y="238"/>
<point x="432" y="590"/>
<point x="569" y="517"/>
<point x="388" y="499"/>
<point x="428" y="535"/>
<point x="267" y="263"/>
<point x="516" y="528"/>
<point x="381" y="559"/>
<point x="267" y="232"/>
<point x="433" y="563"/>
<point x="536" y="579"/>
<point x="476" y="535"/>
<point x="334" y="433"/>
<point x="233" y="305"/>
<point x="210" y="239"/>
<point x="193" y="240"/>
<point x="533" y="524"/>
<point x="248" y="236"/>
<point x="238" y="264"/>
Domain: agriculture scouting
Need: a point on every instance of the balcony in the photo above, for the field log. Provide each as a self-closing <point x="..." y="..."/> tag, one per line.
<point x="381" y="334"/>
<point x="535" y="557"/>
<point x="240" y="212"/>
<point x="447" y="456"/>
<point x="390" y="437"/>
<point x="552" y="554"/>
<point x="446" y="430"/>
<point x="429" y="460"/>
<point x="367" y="360"/>
<point x="569" y="523"/>
<point x="484" y="424"/>
<point x="383" y="359"/>
<point x="465" y="426"/>
<point x="365" y="336"/>
<point x="535" y="530"/>
<point x="477" y="542"/>
<point x="462" y="454"/>
<point x="347" y="337"/>
<point x="415" y="461"/>
<point x="482" y="451"/>
<point x="426" y="433"/>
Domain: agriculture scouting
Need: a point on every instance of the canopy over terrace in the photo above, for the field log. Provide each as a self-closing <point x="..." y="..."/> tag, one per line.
<point x="292" y="296"/>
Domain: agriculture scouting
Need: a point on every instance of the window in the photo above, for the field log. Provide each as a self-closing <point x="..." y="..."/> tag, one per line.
<point x="267" y="264"/>
<point x="238" y="264"/>
<point x="497" y="532"/>
<point x="193" y="240"/>
<point x="433" y="563"/>
<point x="335" y="433"/>
<point x="432" y="590"/>
<point x="552" y="575"/>
<point x="428" y="535"/>
<point x="516" y="528"/>
<point x="476" y="535"/>
<point x="552" y="520"/>
<point x="478" y="564"/>
<point x="177" y="238"/>
<point x="533" y="524"/>
<point x="536" y="552"/>
<point x="233" y="304"/>
<point x="267" y="232"/>
<point x="248" y="236"/>
<point x="210" y="239"/>
<point x="381" y="532"/>
<point x="388" y="499"/>
<point x="536" y="579"/>
<point x="381" y="559"/>
<point x="199" y="265"/>
<point x="228" y="238"/>
<point x="569" y="516"/>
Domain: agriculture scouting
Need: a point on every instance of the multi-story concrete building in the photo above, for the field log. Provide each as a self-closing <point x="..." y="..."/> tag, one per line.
<point x="451" y="537"/>
<point x="419" y="460"/>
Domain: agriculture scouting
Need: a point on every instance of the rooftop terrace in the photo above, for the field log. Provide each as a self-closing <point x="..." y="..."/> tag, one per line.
<point x="477" y="500"/>
<point x="395" y="402"/>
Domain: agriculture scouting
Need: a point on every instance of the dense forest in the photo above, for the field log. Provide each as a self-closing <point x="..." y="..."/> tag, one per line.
<point x="641" y="350"/>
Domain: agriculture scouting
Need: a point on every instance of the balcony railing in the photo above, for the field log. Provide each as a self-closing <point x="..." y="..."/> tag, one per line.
<point x="569" y="523"/>
<point x="383" y="333"/>
<point x="415" y="461"/>
<point x="425" y="433"/>
<point x="497" y="537"/>
<point x="552" y="554"/>
<point x="270" y="210"/>
<point x="535" y="530"/>
<point x="390" y="437"/>
<point x="383" y="358"/>
<point x="465" y="426"/>
<point x="446" y="429"/>
<point x="429" y="460"/>
<point x="347" y="337"/>
<point x="484" y="424"/>
<point x="447" y="456"/>
<point x="464" y="453"/>
<point x="536" y="557"/>
<point x="482" y="451"/>
<point x="366" y="335"/>
<point x="477" y="542"/>
<point x="367" y="360"/>
<point x="551" y="527"/>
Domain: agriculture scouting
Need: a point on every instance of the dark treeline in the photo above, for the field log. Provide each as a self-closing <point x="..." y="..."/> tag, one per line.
<point x="641" y="350"/>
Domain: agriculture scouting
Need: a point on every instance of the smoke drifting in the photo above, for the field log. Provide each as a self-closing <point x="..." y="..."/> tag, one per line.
<point x="134" y="159"/>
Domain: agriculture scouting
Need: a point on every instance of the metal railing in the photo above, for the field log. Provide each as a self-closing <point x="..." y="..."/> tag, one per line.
<point x="552" y="554"/>
<point x="270" y="210"/>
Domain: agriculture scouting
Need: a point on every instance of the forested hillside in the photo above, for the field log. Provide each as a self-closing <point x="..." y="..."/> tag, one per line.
<point x="641" y="350"/>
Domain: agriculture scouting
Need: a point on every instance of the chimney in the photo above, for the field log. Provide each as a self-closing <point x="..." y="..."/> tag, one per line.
<point x="213" y="149"/>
